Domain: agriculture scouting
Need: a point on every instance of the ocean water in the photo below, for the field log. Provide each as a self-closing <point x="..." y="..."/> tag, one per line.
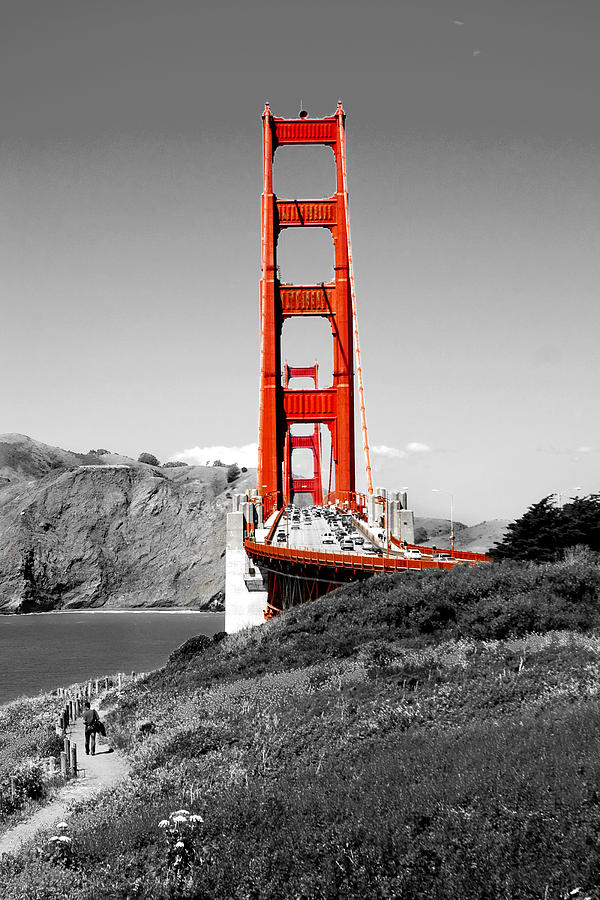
<point x="47" y="650"/>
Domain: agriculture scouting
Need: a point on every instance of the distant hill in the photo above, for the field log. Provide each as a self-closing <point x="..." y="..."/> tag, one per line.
<point x="88" y="530"/>
<point x="476" y="538"/>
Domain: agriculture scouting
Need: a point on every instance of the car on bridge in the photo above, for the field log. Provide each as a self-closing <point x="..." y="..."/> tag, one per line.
<point x="328" y="538"/>
<point x="413" y="554"/>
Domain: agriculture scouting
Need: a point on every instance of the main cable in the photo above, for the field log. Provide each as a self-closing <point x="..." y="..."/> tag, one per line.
<point x="361" y="393"/>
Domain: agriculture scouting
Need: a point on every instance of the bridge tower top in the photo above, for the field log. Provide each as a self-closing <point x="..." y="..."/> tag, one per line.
<point x="281" y="406"/>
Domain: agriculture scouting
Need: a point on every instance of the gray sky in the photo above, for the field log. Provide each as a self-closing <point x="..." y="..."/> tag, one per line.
<point x="130" y="180"/>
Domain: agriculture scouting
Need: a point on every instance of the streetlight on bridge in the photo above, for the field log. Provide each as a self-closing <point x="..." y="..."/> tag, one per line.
<point x="451" y="495"/>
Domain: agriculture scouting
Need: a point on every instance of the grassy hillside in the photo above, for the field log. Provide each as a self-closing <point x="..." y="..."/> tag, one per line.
<point x="432" y="737"/>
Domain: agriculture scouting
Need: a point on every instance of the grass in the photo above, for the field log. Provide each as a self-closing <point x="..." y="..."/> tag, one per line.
<point x="399" y="738"/>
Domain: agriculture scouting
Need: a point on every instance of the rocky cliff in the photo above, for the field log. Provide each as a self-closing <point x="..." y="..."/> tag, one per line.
<point x="104" y="531"/>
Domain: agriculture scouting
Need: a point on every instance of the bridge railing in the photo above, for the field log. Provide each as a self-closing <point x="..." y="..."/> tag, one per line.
<point x="462" y="555"/>
<point x="345" y="560"/>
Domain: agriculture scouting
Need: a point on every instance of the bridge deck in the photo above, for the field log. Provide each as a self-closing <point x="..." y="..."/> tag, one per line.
<point x="310" y="539"/>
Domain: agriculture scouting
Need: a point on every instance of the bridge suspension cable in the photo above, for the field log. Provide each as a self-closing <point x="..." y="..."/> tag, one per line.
<point x="361" y="393"/>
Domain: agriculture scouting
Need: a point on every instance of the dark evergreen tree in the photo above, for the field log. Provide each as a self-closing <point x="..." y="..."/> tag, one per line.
<point x="545" y="531"/>
<point x="581" y="522"/>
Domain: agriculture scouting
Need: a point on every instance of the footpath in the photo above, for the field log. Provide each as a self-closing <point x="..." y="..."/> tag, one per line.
<point x="97" y="773"/>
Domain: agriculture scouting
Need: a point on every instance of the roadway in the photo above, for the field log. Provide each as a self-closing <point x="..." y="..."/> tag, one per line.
<point x="320" y="530"/>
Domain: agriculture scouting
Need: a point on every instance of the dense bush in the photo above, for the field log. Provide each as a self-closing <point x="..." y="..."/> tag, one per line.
<point x="149" y="459"/>
<point x="486" y="602"/>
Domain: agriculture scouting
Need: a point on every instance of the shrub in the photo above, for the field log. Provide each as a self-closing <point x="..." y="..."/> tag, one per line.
<point x="174" y="464"/>
<point x="149" y="459"/>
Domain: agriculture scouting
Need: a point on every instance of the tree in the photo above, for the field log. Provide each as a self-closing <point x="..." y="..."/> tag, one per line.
<point x="175" y="464"/>
<point x="233" y="472"/>
<point x="544" y="532"/>
<point x="149" y="459"/>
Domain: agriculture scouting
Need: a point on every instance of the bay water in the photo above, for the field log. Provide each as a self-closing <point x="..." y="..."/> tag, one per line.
<point x="43" y="651"/>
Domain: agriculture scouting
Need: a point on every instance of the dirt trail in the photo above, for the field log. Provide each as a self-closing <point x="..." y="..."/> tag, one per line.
<point x="101" y="771"/>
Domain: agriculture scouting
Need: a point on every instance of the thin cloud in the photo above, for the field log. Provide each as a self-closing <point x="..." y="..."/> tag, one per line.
<point x="457" y="22"/>
<point x="388" y="452"/>
<point x="246" y="455"/>
<point x="412" y="448"/>
<point x="566" y="451"/>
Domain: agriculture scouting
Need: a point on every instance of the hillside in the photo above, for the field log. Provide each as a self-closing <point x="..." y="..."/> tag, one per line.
<point x="82" y="530"/>
<point x="474" y="538"/>
<point x="430" y="737"/>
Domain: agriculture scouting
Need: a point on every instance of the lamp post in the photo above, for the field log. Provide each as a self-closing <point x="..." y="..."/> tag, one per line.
<point x="451" y="495"/>
<point x="266" y="494"/>
<point x="385" y="504"/>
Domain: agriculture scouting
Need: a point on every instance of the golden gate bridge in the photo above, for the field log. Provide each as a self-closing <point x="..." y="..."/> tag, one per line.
<point x="279" y="555"/>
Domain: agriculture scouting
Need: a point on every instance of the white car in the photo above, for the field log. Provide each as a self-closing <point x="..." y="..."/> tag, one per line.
<point x="413" y="554"/>
<point x="328" y="539"/>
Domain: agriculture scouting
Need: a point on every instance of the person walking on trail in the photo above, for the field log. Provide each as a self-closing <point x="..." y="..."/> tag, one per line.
<point x="91" y="720"/>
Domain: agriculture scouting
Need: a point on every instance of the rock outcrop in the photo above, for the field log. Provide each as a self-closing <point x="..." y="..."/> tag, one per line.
<point x="76" y="534"/>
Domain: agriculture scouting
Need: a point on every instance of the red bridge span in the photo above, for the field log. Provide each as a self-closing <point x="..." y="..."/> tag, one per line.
<point x="293" y="539"/>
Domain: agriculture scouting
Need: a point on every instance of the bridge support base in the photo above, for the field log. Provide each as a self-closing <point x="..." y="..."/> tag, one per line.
<point x="245" y="596"/>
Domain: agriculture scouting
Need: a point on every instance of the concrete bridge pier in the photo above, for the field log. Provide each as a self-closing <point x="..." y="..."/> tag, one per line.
<point x="245" y="593"/>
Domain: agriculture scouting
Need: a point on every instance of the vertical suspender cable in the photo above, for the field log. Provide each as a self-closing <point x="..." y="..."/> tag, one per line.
<point x="361" y="394"/>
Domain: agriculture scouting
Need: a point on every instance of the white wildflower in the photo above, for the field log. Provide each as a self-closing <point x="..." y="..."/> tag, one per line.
<point x="64" y="839"/>
<point x="62" y="825"/>
<point x="196" y="818"/>
<point x="180" y="812"/>
<point x="180" y="844"/>
<point x="179" y="818"/>
<point x="163" y="823"/>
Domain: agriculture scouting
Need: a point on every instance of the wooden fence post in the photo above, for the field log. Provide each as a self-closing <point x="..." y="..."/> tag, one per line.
<point x="74" y="760"/>
<point x="63" y="764"/>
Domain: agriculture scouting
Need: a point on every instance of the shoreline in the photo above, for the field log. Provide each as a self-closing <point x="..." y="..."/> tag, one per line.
<point x="146" y="609"/>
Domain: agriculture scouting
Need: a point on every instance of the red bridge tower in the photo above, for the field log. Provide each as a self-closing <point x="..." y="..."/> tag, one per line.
<point x="280" y="406"/>
<point x="311" y="442"/>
